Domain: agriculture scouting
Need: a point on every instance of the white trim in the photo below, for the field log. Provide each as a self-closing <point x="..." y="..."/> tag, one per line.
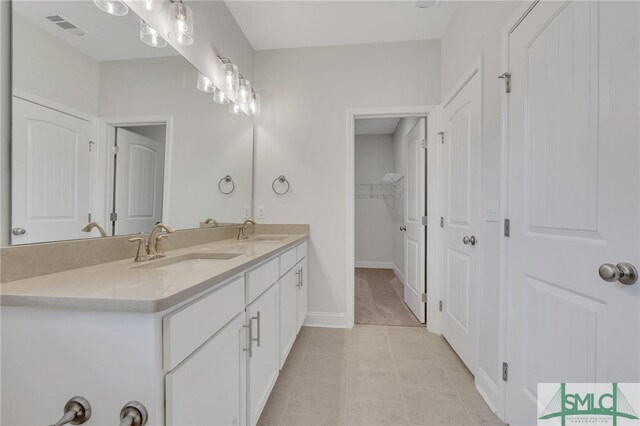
<point x="431" y="114"/>
<point x="511" y="24"/>
<point x="398" y="273"/>
<point x="374" y="264"/>
<point x="47" y="103"/>
<point x="486" y="388"/>
<point x="326" y="319"/>
<point x="105" y="129"/>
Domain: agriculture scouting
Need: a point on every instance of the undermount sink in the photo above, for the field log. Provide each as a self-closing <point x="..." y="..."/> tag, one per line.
<point x="190" y="262"/>
<point x="267" y="239"/>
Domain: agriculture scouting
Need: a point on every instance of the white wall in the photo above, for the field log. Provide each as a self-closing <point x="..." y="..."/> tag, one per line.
<point x="374" y="156"/>
<point x="5" y="122"/>
<point x="301" y="133"/>
<point x="475" y="30"/>
<point x="48" y="67"/>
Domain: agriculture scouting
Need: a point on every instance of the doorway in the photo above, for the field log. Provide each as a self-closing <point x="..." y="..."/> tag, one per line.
<point x="387" y="282"/>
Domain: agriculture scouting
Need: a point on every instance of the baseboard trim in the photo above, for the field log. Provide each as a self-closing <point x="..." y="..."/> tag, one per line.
<point x="374" y="265"/>
<point x="488" y="389"/>
<point x="398" y="273"/>
<point x="326" y="319"/>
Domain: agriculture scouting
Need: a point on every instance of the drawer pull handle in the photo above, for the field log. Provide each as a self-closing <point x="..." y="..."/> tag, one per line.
<point x="250" y="348"/>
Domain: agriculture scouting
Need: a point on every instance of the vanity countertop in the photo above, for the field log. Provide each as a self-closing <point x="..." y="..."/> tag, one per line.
<point x="125" y="286"/>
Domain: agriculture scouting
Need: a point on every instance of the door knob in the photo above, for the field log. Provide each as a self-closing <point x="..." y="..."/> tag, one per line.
<point x="623" y="272"/>
<point x="18" y="231"/>
<point x="470" y="240"/>
<point x="403" y="228"/>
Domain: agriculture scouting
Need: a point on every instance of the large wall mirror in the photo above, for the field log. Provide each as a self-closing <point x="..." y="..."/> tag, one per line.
<point x="111" y="130"/>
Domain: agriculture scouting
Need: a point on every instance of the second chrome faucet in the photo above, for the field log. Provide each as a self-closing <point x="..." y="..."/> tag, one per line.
<point x="152" y="248"/>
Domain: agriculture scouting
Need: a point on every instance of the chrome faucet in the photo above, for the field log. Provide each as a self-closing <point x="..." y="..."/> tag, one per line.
<point x="212" y="221"/>
<point x="154" y="244"/>
<point x="91" y="225"/>
<point x="242" y="229"/>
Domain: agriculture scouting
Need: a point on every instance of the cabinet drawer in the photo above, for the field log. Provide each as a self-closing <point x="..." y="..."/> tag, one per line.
<point x="188" y="328"/>
<point x="287" y="260"/>
<point x="301" y="251"/>
<point x="261" y="278"/>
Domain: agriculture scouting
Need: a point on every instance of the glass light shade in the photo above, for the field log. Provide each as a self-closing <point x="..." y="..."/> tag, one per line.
<point x="181" y="18"/>
<point x="204" y="84"/>
<point x="220" y="97"/>
<point x="229" y="76"/>
<point x="244" y="91"/>
<point x="150" y="5"/>
<point x="234" y="109"/>
<point x="112" y="7"/>
<point x="150" y="36"/>
<point x="254" y="104"/>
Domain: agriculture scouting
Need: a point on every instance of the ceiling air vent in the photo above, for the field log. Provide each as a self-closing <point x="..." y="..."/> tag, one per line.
<point x="61" y="22"/>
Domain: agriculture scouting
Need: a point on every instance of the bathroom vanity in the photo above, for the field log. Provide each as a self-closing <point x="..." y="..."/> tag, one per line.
<point x="197" y="337"/>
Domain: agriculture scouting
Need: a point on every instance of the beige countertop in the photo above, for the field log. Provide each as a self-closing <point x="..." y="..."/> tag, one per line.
<point x="125" y="286"/>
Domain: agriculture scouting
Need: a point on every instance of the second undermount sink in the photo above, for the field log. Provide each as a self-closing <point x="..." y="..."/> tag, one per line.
<point x="190" y="261"/>
<point x="267" y="238"/>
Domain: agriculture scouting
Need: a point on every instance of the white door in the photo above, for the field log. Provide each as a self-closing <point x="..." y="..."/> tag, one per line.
<point x="303" y="293"/>
<point x="209" y="387"/>
<point x="264" y="356"/>
<point x="574" y="198"/>
<point x="288" y="312"/>
<point x="139" y="182"/>
<point x="414" y="210"/>
<point x="461" y="120"/>
<point x="51" y="197"/>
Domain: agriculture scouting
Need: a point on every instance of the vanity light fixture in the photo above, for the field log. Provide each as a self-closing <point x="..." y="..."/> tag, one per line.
<point x="219" y="96"/>
<point x="244" y="90"/>
<point x="181" y="19"/>
<point x="112" y="7"/>
<point x="230" y="74"/>
<point x="234" y="108"/>
<point x="150" y="5"/>
<point x="204" y="84"/>
<point x="254" y="103"/>
<point x="150" y="36"/>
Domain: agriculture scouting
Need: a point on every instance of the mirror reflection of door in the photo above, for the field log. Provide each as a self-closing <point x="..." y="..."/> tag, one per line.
<point x="50" y="177"/>
<point x="138" y="170"/>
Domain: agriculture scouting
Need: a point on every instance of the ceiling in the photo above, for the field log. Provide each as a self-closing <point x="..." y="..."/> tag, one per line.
<point x="285" y="24"/>
<point x="376" y="126"/>
<point x="107" y="37"/>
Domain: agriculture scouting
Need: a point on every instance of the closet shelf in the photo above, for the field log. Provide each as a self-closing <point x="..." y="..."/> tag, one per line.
<point x="387" y="188"/>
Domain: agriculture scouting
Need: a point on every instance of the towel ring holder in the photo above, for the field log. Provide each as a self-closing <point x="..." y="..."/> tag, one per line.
<point x="282" y="180"/>
<point x="227" y="179"/>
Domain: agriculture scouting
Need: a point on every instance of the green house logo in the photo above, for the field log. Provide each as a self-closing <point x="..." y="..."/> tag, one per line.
<point x="589" y="403"/>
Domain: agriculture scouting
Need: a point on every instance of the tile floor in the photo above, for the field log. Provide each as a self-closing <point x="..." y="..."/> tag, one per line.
<point x="374" y="375"/>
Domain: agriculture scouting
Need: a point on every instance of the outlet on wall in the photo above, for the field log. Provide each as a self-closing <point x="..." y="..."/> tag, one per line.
<point x="246" y="212"/>
<point x="490" y="211"/>
<point x="260" y="212"/>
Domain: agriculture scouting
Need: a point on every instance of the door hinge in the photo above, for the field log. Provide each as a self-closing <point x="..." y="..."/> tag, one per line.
<point x="91" y="144"/>
<point x="507" y="81"/>
<point x="424" y="220"/>
<point x="424" y="144"/>
<point x="115" y="150"/>
<point x="440" y="306"/>
<point x="441" y="222"/>
<point x="113" y="217"/>
<point x="507" y="227"/>
<point x="441" y="134"/>
<point x="505" y="371"/>
<point x="424" y="298"/>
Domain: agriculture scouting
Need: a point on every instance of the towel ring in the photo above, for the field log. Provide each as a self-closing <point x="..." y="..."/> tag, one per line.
<point x="227" y="179"/>
<point x="282" y="180"/>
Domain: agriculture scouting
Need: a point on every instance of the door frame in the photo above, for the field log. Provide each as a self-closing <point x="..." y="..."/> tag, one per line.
<point x="510" y="25"/>
<point x="106" y="132"/>
<point x="431" y="115"/>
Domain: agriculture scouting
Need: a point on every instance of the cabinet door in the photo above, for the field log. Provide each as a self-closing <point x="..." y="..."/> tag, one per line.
<point x="264" y="356"/>
<point x="288" y="312"/>
<point x="303" y="294"/>
<point x="209" y="387"/>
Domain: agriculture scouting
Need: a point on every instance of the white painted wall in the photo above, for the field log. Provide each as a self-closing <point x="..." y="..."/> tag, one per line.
<point x="475" y="30"/>
<point x="5" y="122"/>
<point x="400" y="148"/>
<point x="208" y="142"/>
<point x="374" y="221"/>
<point x="301" y="133"/>
<point x="48" y="67"/>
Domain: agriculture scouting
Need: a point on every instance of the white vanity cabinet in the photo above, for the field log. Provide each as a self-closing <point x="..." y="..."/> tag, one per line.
<point x="293" y="296"/>
<point x="302" y="293"/>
